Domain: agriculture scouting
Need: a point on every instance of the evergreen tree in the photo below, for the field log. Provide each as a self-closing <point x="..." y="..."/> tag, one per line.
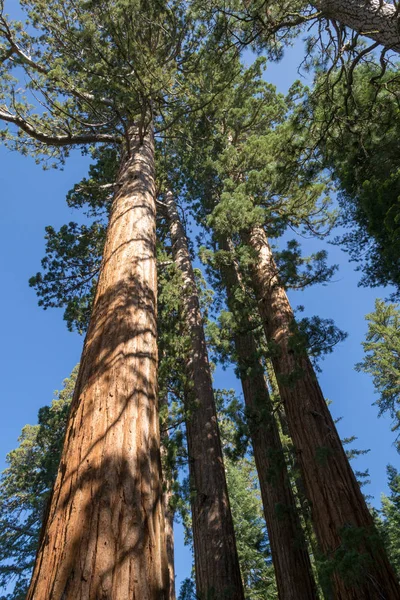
<point x="205" y="483"/>
<point x="288" y="546"/>
<point x="382" y="359"/>
<point x="352" y="118"/>
<point x="251" y="534"/>
<point x="25" y="489"/>
<point x="255" y="183"/>
<point x="105" y="72"/>
<point x="73" y="254"/>
<point x="216" y="561"/>
<point x="390" y="515"/>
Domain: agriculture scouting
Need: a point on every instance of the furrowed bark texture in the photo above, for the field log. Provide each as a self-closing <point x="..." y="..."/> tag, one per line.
<point x="216" y="560"/>
<point x="288" y="545"/>
<point x="104" y="535"/>
<point x="299" y="489"/>
<point x="375" y="19"/>
<point x="337" y="504"/>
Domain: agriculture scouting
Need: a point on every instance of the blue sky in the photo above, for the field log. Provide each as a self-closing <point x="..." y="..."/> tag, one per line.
<point x="38" y="352"/>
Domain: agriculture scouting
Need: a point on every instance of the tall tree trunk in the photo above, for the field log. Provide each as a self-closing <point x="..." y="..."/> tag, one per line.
<point x="288" y="544"/>
<point x="104" y="534"/>
<point x="168" y="480"/>
<point x="170" y="540"/>
<point x="342" y="522"/>
<point x="375" y="19"/>
<point x="216" y="560"/>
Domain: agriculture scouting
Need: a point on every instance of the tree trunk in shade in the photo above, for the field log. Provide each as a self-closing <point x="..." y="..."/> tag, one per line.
<point x="168" y="480"/>
<point x="290" y="557"/>
<point x="104" y="533"/>
<point x="298" y="487"/>
<point x="341" y="519"/>
<point x="216" y="560"/>
<point x="170" y="540"/>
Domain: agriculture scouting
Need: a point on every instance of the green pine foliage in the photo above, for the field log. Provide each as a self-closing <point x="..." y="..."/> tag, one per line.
<point x="81" y="72"/>
<point x="251" y="534"/>
<point x="71" y="267"/>
<point x="73" y="253"/>
<point x="353" y="119"/>
<point x="389" y="523"/>
<point x="25" y="486"/>
<point x="382" y="359"/>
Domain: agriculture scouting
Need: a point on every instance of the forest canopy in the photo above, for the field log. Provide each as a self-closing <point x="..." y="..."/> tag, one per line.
<point x="204" y="200"/>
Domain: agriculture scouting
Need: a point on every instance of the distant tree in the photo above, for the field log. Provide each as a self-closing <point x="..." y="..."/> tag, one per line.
<point x="25" y="487"/>
<point x="382" y="359"/>
<point x="187" y="590"/>
<point x="251" y="534"/>
<point x="390" y="517"/>
<point x="216" y="560"/>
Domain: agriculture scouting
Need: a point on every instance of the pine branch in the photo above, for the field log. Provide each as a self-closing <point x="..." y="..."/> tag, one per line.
<point x="57" y="140"/>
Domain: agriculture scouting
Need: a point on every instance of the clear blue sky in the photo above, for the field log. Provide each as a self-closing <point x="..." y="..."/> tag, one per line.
<point x="38" y="352"/>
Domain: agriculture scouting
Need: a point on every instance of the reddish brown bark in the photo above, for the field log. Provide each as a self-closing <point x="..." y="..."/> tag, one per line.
<point x="104" y="535"/>
<point x="290" y="556"/>
<point x="338" y="507"/>
<point x="216" y="560"/>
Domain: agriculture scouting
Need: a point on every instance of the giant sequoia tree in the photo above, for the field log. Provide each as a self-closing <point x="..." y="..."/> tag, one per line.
<point x="287" y="540"/>
<point x="216" y="560"/>
<point x="104" y="72"/>
<point x="253" y="184"/>
<point x="340" y="516"/>
<point x="122" y="73"/>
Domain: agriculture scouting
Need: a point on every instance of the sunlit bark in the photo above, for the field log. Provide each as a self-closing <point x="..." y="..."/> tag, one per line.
<point x="104" y="532"/>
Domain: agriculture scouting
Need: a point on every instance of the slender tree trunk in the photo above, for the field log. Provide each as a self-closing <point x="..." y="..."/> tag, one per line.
<point x="286" y="537"/>
<point x="168" y="480"/>
<point x="169" y="536"/>
<point x="342" y="522"/>
<point x="104" y="535"/>
<point x="375" y="19"/>
<point x="216" y="560"/>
